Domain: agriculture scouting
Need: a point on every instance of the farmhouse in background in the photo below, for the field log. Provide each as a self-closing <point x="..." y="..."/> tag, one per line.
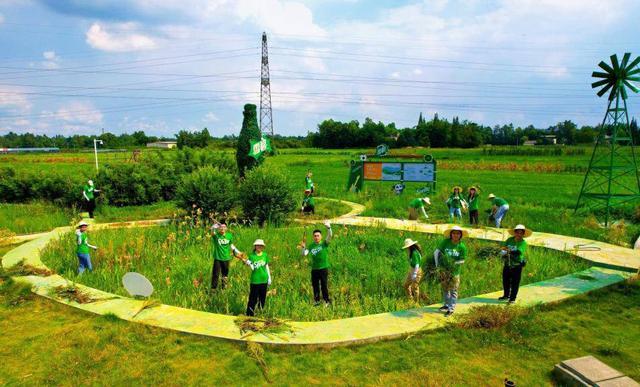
<point x="162" y="144"/>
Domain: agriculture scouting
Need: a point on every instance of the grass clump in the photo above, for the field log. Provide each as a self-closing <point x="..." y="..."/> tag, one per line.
<point x="256" y="352"/>
<point x="22" y="269"/>
<point x="268" y="326"/>
<point x="73" y="293"/>
<point x="488" y="317"/>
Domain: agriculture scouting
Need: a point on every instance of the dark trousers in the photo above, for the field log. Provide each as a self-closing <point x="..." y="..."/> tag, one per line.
<point x="319" y="280"/>
<point x="219" y="267"/>
<point x="309" y="209"/>
<point x="473" y="216"/>
<point x="511" y="281"/>
<point x="257" y="298"/>
<point x="91" y="206"/>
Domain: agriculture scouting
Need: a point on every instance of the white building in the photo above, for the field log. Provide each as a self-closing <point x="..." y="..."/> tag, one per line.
<point x="163" y="144"/>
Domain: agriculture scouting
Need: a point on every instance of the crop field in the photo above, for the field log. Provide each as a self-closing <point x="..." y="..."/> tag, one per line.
<point x="367" y="269"/>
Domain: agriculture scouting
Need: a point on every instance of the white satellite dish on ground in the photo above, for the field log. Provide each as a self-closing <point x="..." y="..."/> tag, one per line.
<point x="137" y="284"/>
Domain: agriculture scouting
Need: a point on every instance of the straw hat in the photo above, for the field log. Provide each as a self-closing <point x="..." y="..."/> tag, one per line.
<point x="491" y="196"/>
<point x="307" y="191"/>
<point x="408" y="243"/>
<point x="474" y="188"/>
<point x="447" y="233"/>
<point x="527" y="232"/>
<point x="90" y="182"/>
<point x="258" y="242"/>
<point x="426" y="200"/>
<point x="83" y="223"/>
<point x="458" y="187"/>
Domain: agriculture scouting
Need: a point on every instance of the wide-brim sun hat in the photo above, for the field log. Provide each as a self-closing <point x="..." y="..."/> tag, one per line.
<point x="447" y="233"/>
<point x="527" y="232"/>
<point x="426" y="200"/>
<point x="258" y="242"/>
<point x="408" y="243"/>
<point x="491" y="196"/>
<point x="307" y="191"/>
<point x="457" y="187"/>
<point x="83" y="223"/>
<point x="473" y="187"/>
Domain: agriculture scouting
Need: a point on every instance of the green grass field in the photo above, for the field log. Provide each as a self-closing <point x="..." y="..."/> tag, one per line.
<point x="367" y="269"/>
<point x="48" y="343"/>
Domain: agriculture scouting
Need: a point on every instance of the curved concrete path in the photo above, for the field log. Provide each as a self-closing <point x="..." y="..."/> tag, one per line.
<point x="620" y="264"/>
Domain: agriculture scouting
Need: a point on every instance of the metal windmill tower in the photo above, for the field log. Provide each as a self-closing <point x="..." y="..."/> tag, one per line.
<point x="612" y="178"/>
<point x="266" y="117"/>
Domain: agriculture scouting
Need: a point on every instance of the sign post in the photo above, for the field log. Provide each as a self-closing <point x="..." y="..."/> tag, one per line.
<point x="393" y="171"/>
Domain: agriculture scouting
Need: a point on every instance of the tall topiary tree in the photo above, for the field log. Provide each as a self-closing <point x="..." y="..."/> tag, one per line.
<point x="250" y="131"/>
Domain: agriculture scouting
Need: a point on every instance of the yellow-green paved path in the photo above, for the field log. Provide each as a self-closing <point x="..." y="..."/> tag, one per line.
<point x="613" y="264"/>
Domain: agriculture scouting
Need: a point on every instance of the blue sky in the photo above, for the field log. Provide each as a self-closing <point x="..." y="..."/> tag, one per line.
<point x="75" y="66"/>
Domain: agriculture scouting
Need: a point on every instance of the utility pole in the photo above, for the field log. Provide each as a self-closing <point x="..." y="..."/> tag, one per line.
<point x="266" y="117"/>
<point x="95" y="150"/>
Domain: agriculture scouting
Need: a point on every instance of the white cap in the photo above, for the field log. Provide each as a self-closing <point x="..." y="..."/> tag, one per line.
<point x="258" y="242"/>
<point x="90" y="182"/>
<point x="82" y="223"/>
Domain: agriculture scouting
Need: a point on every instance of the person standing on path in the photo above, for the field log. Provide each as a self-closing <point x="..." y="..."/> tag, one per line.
<point x="412" y="282"/>
<point x="513" y="252"/>
<point x="472" y="200"/>
<point x="308" y="204"/>
<point x="319" y="251"/>
<point x="456" y="203"/>
<point x="82" y="249"/>
<point x="499" y="208"/>
<point x="222" y="248"/>
<point x="88" y="194"/>
<point x="418" y="203"/>
<point x="260" y="279"/>
<point x="308" y="183"/>
<point x="449" y="257"/>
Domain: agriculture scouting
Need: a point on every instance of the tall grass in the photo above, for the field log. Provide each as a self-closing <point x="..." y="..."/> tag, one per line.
<point x="367" y="269"/>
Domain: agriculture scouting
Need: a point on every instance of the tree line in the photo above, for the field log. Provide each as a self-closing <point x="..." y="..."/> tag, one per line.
<point x="437" y="133"/>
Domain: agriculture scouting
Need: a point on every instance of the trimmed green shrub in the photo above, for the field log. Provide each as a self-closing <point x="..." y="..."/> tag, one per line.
<point x="129" y="184"/>
<point x="266" y="195"/>
<point x="250" y="132"/>
<point x="208" y="188"/>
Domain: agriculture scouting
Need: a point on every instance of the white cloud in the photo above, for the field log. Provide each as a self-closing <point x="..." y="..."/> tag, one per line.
<point x="51" y="61"/>
<point x="79" y="113"/>
<point x="1" y="18"/>
<point x="210" y="117"/>
<point x="122" y="38"/>
<point x="417" y="72"/>
<point x="14" y="100"/>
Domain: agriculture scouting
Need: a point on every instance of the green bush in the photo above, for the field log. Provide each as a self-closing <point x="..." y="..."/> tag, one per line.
<point x="210" y="189"/>
<point x="14" y="187"/>
<point x="129" y="185"/>
<point x="266" y="194"/>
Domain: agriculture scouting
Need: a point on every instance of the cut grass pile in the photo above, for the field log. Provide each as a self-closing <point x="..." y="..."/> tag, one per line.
<point x="73" y="293"/>
<point x="367" y="270"/>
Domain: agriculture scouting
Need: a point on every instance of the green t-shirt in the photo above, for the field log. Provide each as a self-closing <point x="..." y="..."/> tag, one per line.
<point x="416" y="203"/>
<point x="415" y="258"/>
<point x="88" y="190"/>
<point x="259" y="273"/>
<point x="319" y="255"/>
<point x="453" y="256"/>
<point x="499" y="202"/>
<point x="222" y="246"/>
<point x="513" y="260"/>
<point x="455" y="201"/>
<point x="83" y="244"/>
<point x="308" y="201"/>
<point x="308" y="183"/>
<point x="473" y="202"/>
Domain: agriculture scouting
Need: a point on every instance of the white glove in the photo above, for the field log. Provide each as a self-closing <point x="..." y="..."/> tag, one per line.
<point x="413" y="276"/>
<point x="216" y="226"/>
<point x="269" y="282"/>
<point x="327" y="224"/>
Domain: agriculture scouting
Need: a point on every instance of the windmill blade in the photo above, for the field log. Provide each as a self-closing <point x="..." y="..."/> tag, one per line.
<point x="600" y="83"/>
<point x="631" y="86"/>
<point x="623" y="92"/>
<point x="636" y="71"/>
<point x="614" y="92"/>
<point x="625" y="59"/>
<point x="605" y="89"/>
<point x="634" y="63"/>
<point x="597" y="74"/>
<point x="605" y="67"/>
<point x="614" y="62"/>
<point x="634" y="79"/>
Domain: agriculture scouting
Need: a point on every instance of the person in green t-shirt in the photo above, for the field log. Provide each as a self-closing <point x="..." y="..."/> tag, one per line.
<point x="258" y="261"/>
<point x="412" y="281"/>
<point x="499" y="208"/>
<point x="82" y="249"/>
<point x="222" y="248"/>
<point x="319" y="251"/>
<point x="308" y="183"/>
<point x="88" y="197"/>
<point x="418" y="203"/>
<point x="472" y="200"/>
<point x="308" y="204"/>
<point x="513" y="252"/>
<point x="456" y="203"/>
<point x="449" y="257"/>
